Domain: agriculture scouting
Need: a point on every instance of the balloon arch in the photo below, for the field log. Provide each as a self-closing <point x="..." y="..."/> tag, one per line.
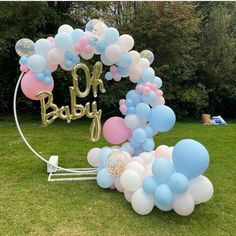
<point x="165" y="177"/>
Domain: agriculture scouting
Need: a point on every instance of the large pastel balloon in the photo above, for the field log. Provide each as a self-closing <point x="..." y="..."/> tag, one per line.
<point x="130" y="180"/>
<point x="42" y="47"/>
<point x="115" y="130"/>
<point x="37" y="63"/>
<point x="65" y="28"/>
<point x="55" y="56"/>
<point x="31" y="86"/>
<point x="183" y="204"/>
<point x="162" y="118"/>
<point x="126" y="42"/>
<point x="190" y="158"/>
<point x="113" y="52"/>
<point x="105" y="179"/>
<point x="136" y="166"/>
<point x="64" y="41"/>
<point x="141" y="202"/>
<point x="24" y="47"/>
<point x="201" y="189"/>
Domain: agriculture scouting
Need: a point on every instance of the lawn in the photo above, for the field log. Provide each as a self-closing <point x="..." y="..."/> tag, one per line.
<point x="29" y="205"/>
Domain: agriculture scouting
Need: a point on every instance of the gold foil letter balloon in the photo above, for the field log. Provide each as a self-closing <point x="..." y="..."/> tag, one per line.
<point x="24" y="47"/>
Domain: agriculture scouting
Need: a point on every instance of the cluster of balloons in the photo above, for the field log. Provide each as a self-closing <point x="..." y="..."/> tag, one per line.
<point x="168" y="178"/>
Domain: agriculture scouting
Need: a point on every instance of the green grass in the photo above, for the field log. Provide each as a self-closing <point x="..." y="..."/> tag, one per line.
<point x="29" y="205"/>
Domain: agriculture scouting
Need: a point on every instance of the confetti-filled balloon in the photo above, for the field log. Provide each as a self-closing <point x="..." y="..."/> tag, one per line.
<point x="24" y="47"/>
<point x="148" y="55"/>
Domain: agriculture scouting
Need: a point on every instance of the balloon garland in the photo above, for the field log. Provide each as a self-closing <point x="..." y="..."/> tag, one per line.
<point x="167" y="177"/>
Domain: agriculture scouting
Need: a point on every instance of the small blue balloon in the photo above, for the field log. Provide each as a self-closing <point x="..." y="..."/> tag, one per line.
<point x="137" y="151"/>
<point x="162" y="118"/>
<point x="163" y="195"/>
<point x="105" y="179"/>
<point x="162" y="169"/>
<point x="128" y="102"/>
<point x="92" y="42"/>
<point x="105" y="61"/>
<point x="149" y="131"/>
<point x="75" y="59"/>
<point x="103" y="154"/>
<point x="178" y="183"/>
<point x="148" y="75"/>
<point x="68" y="64"/>
<point x="125" y="60"/>
<point x="37" y="63"/>
<point x="143" y="110"/>
<point x="68" y="55"/>
<point x="150" y="184"/>
<point x="122" y="71"/>
<point x="23" y="60"/>
<point x="64" y="41"/>
<point x="190" y="158"/>
<point x="139" y="135"/>
<point x="148" y="145"/>
<point x="47" y="72"/>
<point x="76" y="34"/>
<point x="163" y="208"/>
<point x="42" y="47"/>
<point x="157" y="81"/>
<point x="108" y="76"/>
<point x="131" y="110"/>
<point x="111" y="35"/>
<point x="47" y="80"/>
<point x="101" y="46"/>
<point x="149" y="98"/>
<point x="39" y="76"/>
<point x="134" y="143"/>
<point x="134" y="96"/>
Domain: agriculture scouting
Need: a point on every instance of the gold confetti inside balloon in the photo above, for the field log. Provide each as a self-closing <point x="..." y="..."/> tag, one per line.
<point x="24" y="47"/>
<point x="116" y="163"/>
<point x="148" y="55"/>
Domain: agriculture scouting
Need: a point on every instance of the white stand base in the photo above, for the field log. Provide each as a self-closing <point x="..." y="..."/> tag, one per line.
<point x="83" y="173"/>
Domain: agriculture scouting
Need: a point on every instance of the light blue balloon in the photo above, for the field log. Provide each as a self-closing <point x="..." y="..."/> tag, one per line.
<point x="148" y="75"/>
<point x="125" y="60"/>
<point x="137" y="151"/>
<point x="39" y="76"/>
<point x="75" y="59"/>
<point x="133" y="143"/>
<point x="47" y="80"/>
<point x="68" y="55"/>
<point x="131" y="110"/>
<point x="190" y="158"/>
<point x="149" y="131"/>
<point x="178" y="183"/>
<point x="76" y="34"/>
<point x="111" y="35"/>
<point x="47" y="72"/>
<point x="149" y="98"/>
<point x="103" y="154"/>
<point x="139" y="135"/>
<point x="68" y="64"/>
<point x="128" y="102"/>
<point x="105" y="61"/>
<point x="148" y="145"/>
<point x="64" y="41"/>
<point x="150" y="184"/>
<point x="37" y="63"/>
<point x="42" y="47"/>
<point x="163" y="208"/>
<point x="143" y="110"/>
<point x="157" y="81"/>
<point x="162" y="169"/>
<point x="123" y="72"/>
<point x="134" y="96"/>
<point x="162" y="118"/>
<point x="108" y="76"/>
<point x="163" y="196"/>
<point x="23" y="60"/>
<point x="105" y="179"/>
<point x="101" y="46"/>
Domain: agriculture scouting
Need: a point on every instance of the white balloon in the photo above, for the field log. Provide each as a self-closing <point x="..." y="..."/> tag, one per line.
<point x="201" y="189"/>
<point x="118" y="185"/>
<point x="183" y="204"/>
<point x="141" y="202"/>
<point x="135" y="56"/>
<point x="132" y="121"/>
<point x="113" y="52"/>
<point x="128" y="147"/>
<point x="143" y="63"/>
<point x="126" y="42"/>
<point x="158" y="101"/>
<point x="128" y="195"/>
<point x="55" y="56"/>
<point x="86" y="56"/>
<point x="136" y="166"/>
<point x="92" y="157"/>
<point x="134" y="73"/>
<point x="65" y="28"/>
<point x="130" y="180"/>
<point x="147" y="157"/>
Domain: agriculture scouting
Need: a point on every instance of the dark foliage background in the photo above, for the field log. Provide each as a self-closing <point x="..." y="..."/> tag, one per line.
<point x="193" y="44"/>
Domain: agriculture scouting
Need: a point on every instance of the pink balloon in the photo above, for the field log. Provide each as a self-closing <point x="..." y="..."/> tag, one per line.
<point x="30" y="86"/>
<point x="55" y="56"/>
<point x="163" y="152"/>
<point x="24" y="68"/>
<point x="118" y="185"/>
<point x="52" y="67"/>
<point x="115" y="130"/>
